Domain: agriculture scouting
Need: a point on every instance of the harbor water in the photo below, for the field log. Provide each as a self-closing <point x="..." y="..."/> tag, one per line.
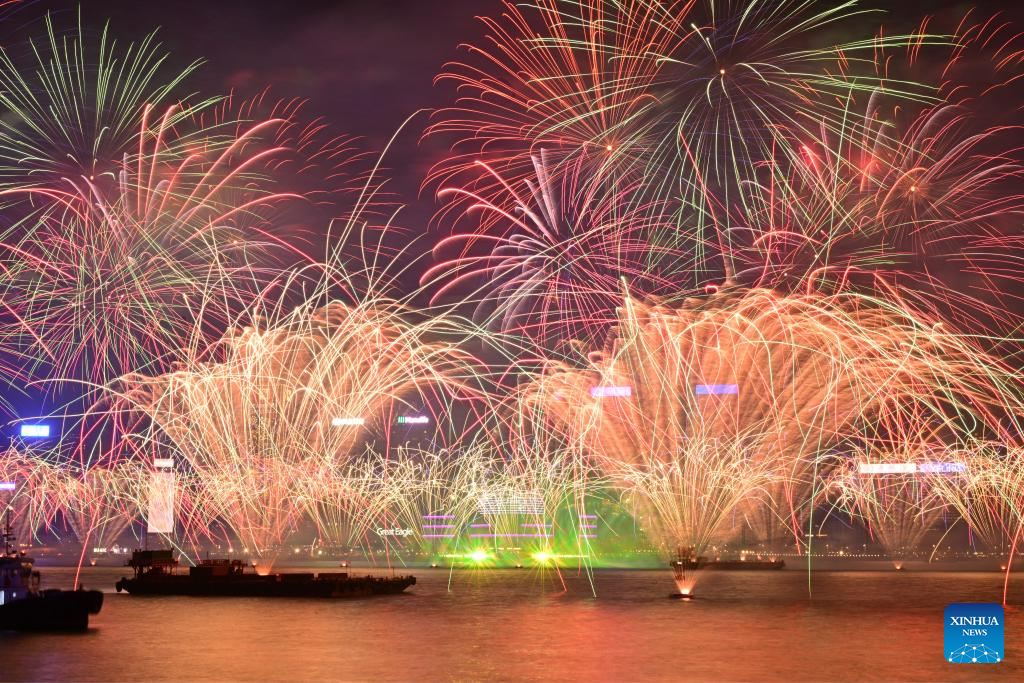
<point x="535" y="625"/>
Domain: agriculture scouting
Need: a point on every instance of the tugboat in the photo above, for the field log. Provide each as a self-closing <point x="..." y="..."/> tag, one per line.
<point x="156" y="574"/>
<point x="24" y="607"/>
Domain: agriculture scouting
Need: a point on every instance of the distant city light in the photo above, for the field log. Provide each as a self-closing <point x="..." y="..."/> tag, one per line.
<point x="942" y="467"/>
<point x="7" y="486"/>
<point x="716" y="389"/>
<point x="911" y="467"/>
<point x="413" y="420"/>
<point x="35" y="431"/>
<point x="886" y="468"/>
<point x="611" y="391"/>
<point x="348" y="421"/>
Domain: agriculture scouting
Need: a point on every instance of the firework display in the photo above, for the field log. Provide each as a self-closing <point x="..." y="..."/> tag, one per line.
<point x="704" y="278"/>
<point x="290" y="404"/>
<point x="556" y="258"/>
<point x="74" y="103"/>
<point x="899" y="508"/>
<point x="158" y="222"/>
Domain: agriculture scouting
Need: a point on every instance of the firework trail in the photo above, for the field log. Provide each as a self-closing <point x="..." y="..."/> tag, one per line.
<point x="899" y="509"/>
<point x="350" y="502"/>
<point x="900" y="188"/>
<point x="985" y="492"/>
<point x="336" y="175"/>
<point x="141" y="228"/>
<point x="782" y="380"/>
<point x="553" y="261"/>
<point x="34" y="501"/>
<point x="685" y="98"/>
<point x="561" y="76"/>
<point x="291" y="403"/>
<point x="99" y="503"/>
<point x="73" y="105"/>
<point x="133" y="276"/>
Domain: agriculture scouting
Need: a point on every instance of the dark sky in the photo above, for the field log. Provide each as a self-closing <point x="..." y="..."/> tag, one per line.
<point x="364" y="63"/>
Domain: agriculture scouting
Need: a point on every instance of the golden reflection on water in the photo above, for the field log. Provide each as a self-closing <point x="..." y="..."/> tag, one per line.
<point x="521" y="625"/>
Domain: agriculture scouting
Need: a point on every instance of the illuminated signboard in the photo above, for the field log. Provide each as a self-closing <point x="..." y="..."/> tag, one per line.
<point x="35" y="431"/>
<point x="611" y="391"/>
<point x="413" y="420"/>
<point x="394" y="532"/>
<point x="886" y="468"/>
<point x="507" y="501"/>
<point x="942" y="467"/>
<point x="716" y="389"/>
<point x="347" y="421"/>
<point x="165" y="463"/>
<point x="910" y="467"/>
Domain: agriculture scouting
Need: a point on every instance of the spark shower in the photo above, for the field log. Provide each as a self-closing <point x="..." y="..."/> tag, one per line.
<point x="702" y="276"/>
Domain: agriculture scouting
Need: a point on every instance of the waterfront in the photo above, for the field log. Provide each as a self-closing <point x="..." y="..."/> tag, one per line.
<point x="519" y="625"/>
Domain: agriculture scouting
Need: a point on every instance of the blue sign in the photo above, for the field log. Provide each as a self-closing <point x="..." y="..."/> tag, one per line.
<point x="942" y="467"/>
<point x="974" y="633"/>
<point x="716" y="389"/>
<point x="35" y="431"/>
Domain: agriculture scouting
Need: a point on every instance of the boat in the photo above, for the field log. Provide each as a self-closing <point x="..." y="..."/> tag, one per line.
<point x="25" y="607"/>
<point x="729" y="565"/>
<point x="687" y="560"/>
<point x="156" y="573"/>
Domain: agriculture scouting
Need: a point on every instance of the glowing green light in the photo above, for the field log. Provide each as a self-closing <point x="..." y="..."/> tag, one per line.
<point x="479" y="556"/>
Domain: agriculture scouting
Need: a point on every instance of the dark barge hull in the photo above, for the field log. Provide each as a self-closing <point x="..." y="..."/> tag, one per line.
<point x="731" y="565"/>
<point x="746" y="565"/>
<point x="51" y="610"/>
<point x="271" y="586"/>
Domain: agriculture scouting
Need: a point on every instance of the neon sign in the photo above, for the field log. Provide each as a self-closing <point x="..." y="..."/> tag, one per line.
<point x="611" y="392"/>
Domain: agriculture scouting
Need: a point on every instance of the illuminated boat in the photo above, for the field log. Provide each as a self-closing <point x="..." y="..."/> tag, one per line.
<point x="24" y="607"/>
<point x="156" y="574"/>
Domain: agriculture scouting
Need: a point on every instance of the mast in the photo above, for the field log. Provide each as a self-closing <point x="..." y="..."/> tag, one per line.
<point x="8" y="533"/>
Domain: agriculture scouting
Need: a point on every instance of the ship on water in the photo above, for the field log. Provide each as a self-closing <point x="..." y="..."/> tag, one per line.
<point x="687" y="560"/>
<point x="156" y="573"/>
<point x="24" y="606"/>
<point x="736" y="564"/>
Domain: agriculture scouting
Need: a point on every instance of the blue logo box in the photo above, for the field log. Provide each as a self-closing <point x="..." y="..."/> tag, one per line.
<point x="974" y="633"/>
